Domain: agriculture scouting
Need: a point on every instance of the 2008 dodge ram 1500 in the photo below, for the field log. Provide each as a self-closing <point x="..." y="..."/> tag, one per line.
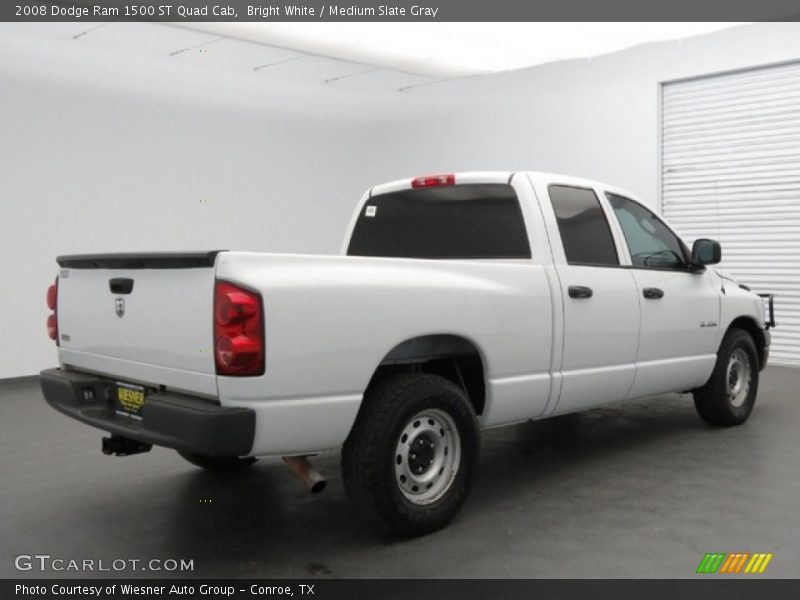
<point x="459" y="302"/>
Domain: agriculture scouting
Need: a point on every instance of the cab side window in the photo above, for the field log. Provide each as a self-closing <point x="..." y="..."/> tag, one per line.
<point x="651" y="244"/>
<point x="583" y="226"/>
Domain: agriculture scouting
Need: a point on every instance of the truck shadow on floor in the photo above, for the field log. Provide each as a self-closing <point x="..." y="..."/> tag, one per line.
<point x="266" y="517"/>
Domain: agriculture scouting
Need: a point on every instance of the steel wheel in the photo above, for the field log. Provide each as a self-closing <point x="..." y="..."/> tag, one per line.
<point x="738" y="377"/>
<point x="427" y="456"/>
<point x="407" y="414"/>
<point x="728" y="397"/>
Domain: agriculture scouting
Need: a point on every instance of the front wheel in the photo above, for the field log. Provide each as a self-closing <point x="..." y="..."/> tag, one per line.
<point x="728" y="397"/>
<point x="409" y="461"/>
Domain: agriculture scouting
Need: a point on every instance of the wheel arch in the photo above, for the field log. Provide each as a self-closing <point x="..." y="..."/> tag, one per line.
<point x="452" y="356"/>
<point x="758" y="334"/>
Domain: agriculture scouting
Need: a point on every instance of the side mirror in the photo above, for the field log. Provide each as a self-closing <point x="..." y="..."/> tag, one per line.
<point x="706" y="252"/>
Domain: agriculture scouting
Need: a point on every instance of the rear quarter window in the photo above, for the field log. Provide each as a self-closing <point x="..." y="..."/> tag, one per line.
<point x="446" y="222"/>
<point x="583" y="226"/>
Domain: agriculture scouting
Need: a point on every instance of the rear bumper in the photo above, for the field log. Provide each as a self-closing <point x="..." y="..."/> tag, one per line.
<point x="178" y="421"/>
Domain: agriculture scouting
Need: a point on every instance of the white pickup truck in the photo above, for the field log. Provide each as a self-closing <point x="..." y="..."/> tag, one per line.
<point x="460" y="302"/>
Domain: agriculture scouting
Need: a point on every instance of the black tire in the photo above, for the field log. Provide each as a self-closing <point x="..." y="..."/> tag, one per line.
<point x="415" y="405"/>
<point x="715" y="401"/>
<point x="218" y="463"/>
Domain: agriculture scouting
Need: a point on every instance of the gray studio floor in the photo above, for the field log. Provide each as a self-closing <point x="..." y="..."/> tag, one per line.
<point x="642" y="489"/>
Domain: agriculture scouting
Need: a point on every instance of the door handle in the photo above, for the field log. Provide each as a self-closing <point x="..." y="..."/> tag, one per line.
<point x="653" y="293"/>
<point x="120" y="285"/>
<point x="579" y="291"/>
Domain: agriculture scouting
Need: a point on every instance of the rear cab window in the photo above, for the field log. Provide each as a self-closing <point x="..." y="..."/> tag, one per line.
<point x="464" y="221"/>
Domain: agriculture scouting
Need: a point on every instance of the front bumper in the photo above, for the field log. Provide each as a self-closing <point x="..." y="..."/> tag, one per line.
<point x="764" y="351"/>
<point x="185" y="423"/>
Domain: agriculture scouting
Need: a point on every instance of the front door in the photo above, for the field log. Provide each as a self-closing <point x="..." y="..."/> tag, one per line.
<point x="680" y="310"/>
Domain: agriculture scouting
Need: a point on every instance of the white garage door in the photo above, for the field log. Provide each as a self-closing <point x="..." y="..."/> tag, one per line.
<point x="731" y="171"/>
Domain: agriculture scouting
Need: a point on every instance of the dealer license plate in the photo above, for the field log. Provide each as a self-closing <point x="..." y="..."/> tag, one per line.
<point x="129" y="400"/>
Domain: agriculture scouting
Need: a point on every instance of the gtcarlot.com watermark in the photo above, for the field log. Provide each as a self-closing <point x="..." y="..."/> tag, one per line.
<point x="46" y="562"/>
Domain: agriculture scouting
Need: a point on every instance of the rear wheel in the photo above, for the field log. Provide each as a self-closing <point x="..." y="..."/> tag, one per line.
<point x="218" y="463"/>
<point x="409" y="461"/>
<point x="728" y="397"/>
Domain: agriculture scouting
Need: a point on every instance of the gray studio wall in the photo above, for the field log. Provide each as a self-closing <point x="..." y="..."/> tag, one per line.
<point x="593" y="118"/>
<point x="96" y="155"/>
<point x="102" y="154"/>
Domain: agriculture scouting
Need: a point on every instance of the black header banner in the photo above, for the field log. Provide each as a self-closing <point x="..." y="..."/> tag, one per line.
<point x="398" y="10"/>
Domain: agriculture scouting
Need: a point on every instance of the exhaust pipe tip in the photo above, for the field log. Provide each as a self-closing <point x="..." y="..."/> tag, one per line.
<point x="313" y="479"/>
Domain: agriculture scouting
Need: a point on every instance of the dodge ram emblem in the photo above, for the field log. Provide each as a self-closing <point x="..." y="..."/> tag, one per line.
<point x="119" y="307"/>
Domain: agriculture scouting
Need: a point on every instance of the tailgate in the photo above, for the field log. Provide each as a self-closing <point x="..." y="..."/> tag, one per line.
<point x="140" y="317"/>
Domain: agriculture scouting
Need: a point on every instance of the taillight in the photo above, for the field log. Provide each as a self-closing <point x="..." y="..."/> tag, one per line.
<point x="433" y="181"/>
<point x="52" y="294"/>
<point x="52" y="304"/>
<point x="235" y="307"/>
<point x="238" y="331"/>
<point x="52" y="327"/>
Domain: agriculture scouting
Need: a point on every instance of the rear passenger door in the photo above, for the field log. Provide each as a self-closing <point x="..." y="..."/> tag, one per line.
<point x="599" y="299"/>
<point x="679" y="308"/>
